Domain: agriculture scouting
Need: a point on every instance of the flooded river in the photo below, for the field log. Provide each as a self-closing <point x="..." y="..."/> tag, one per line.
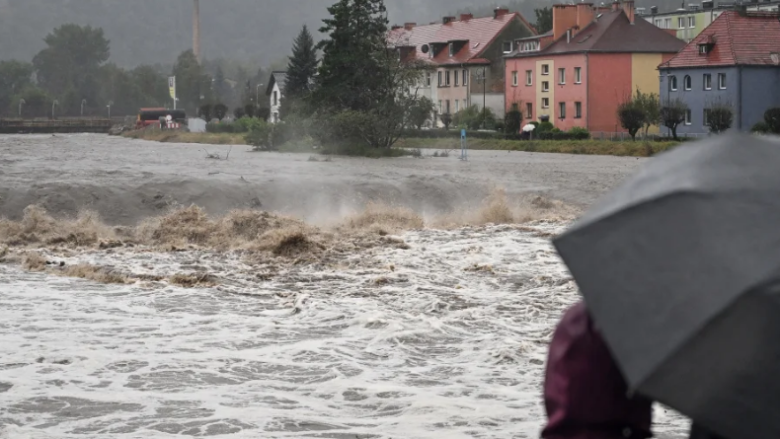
<point x="441" y="335"/>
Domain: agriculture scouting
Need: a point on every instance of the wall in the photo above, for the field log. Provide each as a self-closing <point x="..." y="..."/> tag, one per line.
<point x="644" y="75"/>
<point x="450" y="93"/>
<point x="697" y="98"/>
<point x="538" y="79"/>
<point x="760" y="92"/>
<point x="610" y="82"/>
<point x="494" y="101"/>
<point x="702" y="18"/>
<point x="570" y="92"/>
<point x="275" y="108"/>
<point x="521" y="94"/>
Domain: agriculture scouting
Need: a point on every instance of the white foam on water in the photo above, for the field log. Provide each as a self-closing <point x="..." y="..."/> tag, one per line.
<point x="444" y="340"/>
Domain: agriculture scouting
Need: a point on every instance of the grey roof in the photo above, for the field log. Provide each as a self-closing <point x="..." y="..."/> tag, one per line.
<point x="277" y="78"/>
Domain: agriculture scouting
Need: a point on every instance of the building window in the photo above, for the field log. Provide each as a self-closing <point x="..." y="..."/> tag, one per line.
<point x="514" y="78"/>
<point x="507" y="47"/>
<point x="452" y="49"/>
<point x="529" y="111"/>
<point x="440" y="83"/>
<point x="545" y="103"/>
<point x="561" y="76"/>
<point x="578" y="75"/>
<point x="545" y="86"/>
<point x="562" y="110"/>
<point x="578" y="110"/>
<point x="672" y="83"/>
<point x="456" y="78"/>
<point x="529" y="77"/>
<point x="722" y="81"/>
<point x="545" y="69"/>
<point x="448" y="106"/>
<point x="439" y="106"/>
<point x="706" y="119"/>
<point x="687" y="82"/>
<point x="465" y="105"/>
<point x="465" y="77"/>
<point x="681" y="23"/>
<point x="668" y="23"/>
<point x="692" y="21"/>
<point x="688" y="116"/>
<point x="428" y="79"/>
<point x="457" y="105"/>
<point x="707" y="81"/>
<point x="447" y="78"/>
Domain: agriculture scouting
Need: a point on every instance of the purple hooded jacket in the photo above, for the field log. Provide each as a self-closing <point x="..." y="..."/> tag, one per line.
<point x="585" y="394"/>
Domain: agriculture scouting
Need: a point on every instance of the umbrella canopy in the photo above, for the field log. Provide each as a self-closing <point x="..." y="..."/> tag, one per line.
<point x="680" y="269"/>
<point x="528" y="128"/>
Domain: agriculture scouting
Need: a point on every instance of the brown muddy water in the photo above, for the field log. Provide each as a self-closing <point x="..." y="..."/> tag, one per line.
<point x="150" y="292"/>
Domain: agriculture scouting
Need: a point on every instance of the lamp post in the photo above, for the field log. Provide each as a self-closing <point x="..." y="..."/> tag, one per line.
<point x="21" y="103"/>
<point x="110" y="103"/>
<point x="83" y="103"/>
<point x="54" y="104"/>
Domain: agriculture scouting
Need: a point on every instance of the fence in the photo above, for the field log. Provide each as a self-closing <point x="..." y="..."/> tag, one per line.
<point x="48" y="126"/>
<point x="623" y="136"/>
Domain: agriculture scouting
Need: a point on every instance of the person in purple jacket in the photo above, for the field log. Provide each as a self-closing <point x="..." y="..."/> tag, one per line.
<point x="585" y="394"/>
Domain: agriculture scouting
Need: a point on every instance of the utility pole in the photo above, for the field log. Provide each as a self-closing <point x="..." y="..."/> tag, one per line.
<point x="196" y="29"/>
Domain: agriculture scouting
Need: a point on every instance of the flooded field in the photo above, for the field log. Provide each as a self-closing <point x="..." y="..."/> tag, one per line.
<point x="404" y="298"/>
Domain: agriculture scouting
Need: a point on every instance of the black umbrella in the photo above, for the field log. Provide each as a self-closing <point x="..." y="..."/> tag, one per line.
<point x="680" y="268"/>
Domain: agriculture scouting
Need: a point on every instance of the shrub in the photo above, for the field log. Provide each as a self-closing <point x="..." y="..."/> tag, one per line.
<point x="631" y="116"/>
<point x="220" y="111"/>
<point x="260" y="136"/>
<point x="205" y="112"/>
<point x="673" y="114"/>
<point x="760" y="127"/>
<point x="544" y="127"/>
<point x="772" y="120"/>
<point x="421" y="111"/>
<point x="447" y="120"/>
<point x="263" y="113"/>
<point x="238" y="113"/>
<point x="513" y="122"/>
<point x="579" y="133"/>
<point x="250" y="110"/>
<point x="246" y="124"/>
<point x="719" y="118"/>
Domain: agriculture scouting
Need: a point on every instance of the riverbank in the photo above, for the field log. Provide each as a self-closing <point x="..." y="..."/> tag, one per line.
<point x="626" y="148"/>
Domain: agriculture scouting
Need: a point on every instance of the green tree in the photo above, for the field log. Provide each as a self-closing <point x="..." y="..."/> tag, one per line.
<point x="353" y="55"/>
<point x="651" y="108"/>
<point x="221" y="87"/>
<point x="513" y="121"/>
<point x="71" y="59"/>
<point x="631" y="116"/>
<point x="189" y="81"/>
<point x="544" y="19"/>
<point x="220" y="111"/>
<point x="302" y="67"/>
<point x="37" y="103"/>
<point x="673" y="114"/>
<point x="154" y="86"/>
<point x="14" y="77"/>
<point x="772" y="120"/>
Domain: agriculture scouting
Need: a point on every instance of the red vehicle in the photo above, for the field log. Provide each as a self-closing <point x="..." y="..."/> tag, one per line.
<point x="151" y="116"/>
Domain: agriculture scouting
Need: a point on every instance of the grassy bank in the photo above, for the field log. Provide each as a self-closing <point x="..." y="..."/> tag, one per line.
<point x="591" y="147"/>
<point x="182" y="137"/>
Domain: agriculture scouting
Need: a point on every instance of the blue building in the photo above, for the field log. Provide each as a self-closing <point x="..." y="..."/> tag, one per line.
<point x="735" y="61"/>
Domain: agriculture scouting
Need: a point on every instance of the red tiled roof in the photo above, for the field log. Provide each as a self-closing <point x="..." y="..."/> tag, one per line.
<point x="479" y="32"/>
<point x="738" y="39"/>
<point x="613" y="32"/>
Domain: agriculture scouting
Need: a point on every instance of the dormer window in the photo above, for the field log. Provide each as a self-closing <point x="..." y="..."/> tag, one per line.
<point x="452" y="50"/>
<point x="705" y="48"/>
<point x="528" y="46"/>
<point x="507" y="47"/>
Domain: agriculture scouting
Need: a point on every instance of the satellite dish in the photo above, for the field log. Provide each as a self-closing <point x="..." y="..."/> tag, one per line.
<point x="425" y="48"/>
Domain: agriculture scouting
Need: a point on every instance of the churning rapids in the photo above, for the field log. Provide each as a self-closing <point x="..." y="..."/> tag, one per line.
<point x="428" y="332"/>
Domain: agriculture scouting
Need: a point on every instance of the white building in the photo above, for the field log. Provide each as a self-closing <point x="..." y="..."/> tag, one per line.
<point x="275" y="95"/>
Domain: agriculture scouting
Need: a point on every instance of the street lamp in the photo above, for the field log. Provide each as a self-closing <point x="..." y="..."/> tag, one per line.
<point x="21" y="102"/>
<point x="54" y="104"/>
<point x="110" y="103"/>
<point x="83" y="103"/>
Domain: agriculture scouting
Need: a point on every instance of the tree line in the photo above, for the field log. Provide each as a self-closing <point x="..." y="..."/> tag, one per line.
<point x="73" y="76"/>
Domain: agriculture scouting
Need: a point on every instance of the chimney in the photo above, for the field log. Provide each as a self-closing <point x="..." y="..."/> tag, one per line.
<point x="409" y="26"/>
<point x="466" y="17"/>
<point x="447" y="20"/>
<point x="196" y="28"/>
<point x="615" y="6"/>
<point x="395" y="27"/>
<point x="564" y="18"/>
<point x="628" y="8"/>
<point x="500" y="12"/>
<point x="585" y="15"/>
